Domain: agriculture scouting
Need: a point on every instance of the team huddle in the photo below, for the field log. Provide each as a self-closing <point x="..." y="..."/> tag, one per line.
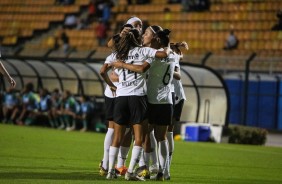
<point x="144" y="98"/>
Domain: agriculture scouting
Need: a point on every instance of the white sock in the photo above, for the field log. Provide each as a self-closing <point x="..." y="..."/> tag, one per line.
<point x="112" y="157"/>
<point x="142" y="159"/>
<point x="107" y="143"/>
<point x="136" y="150"/>
<point x="154" y="153"/>
<point x="170" y="140"/>
<point x="163" y="154"/>
<point x="122" y="156"/>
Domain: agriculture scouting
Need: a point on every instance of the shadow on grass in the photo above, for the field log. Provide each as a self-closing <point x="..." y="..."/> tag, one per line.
<point x="52" y="175"/>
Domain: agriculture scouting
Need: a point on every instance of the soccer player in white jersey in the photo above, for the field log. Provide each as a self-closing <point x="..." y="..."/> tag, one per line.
<point x="109" y="103"/>
<point x="130" y="103"/>
<point x="159" y="92"/>
<point x="179" y="97"/>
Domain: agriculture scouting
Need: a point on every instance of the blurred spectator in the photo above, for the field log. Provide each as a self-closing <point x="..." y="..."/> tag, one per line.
<point x="45" y="108"/>
<point x="70" y="21"/>
<point x="106" y="13"/>
<point x="173" y="1"/>
<point x="86" y="112"/>
<point x="195" y="5"/>
<point x="167" y="14"/>
<point x="64" y="2"/>
<point x="101" y="33"/>
<point x="57" y="107"/>
<point x="64" y="40"/>
<point x="231" y="41"/>
<point x="91" y="11"/>
<point x="10" y="102"/>
<point x="29" y="104"/>
<point x="71" y="109"/>
<point x="142" y="1"/>
<point x="81" y="24"/>
<point x="99" y="8"/>
<point x="278" y="26"/>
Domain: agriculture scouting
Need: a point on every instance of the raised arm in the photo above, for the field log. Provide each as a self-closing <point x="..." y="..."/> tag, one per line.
<point x="135" y="68"/>
<point x="104" y="73"/>
<point x="7" y="75"/>
<point x="176" y="73"/>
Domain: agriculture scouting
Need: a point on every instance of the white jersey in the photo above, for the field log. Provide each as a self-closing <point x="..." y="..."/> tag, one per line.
<point x="108" y="92"/>
<point x="177" y="58"/>
<point x="132" y="83"/>
<point x="159" y="81"/>
<point x="178" y="88"/>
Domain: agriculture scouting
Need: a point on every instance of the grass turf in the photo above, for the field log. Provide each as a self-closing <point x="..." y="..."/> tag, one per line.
<point x="43" y="155"/>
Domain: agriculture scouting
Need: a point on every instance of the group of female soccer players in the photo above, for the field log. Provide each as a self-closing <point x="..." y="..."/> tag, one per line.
<point x="143" y="96"/>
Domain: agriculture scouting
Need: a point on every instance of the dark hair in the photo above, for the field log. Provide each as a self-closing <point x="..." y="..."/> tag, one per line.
<point x="164" y="37"/>
<point x="126" y="25"/>
<point x="130" y="39"/>
<point x="156" y="28"/>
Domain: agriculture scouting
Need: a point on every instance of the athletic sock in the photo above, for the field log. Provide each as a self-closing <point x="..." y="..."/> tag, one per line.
<point x="122" y="156"/>
<point x="112" y="157"/>
<point x="107" y="143"/>
<point x="136" y="150"/>
<point x="163" y="155"/>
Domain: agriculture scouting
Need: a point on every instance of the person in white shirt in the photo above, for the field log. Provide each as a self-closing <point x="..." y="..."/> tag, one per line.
<point x="178" y="99"/>
<point x="159" y="93"/>
<point x="130" y="103"/>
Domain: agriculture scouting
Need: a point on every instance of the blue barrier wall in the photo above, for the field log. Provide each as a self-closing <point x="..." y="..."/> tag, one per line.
<point x="263" y="109"/>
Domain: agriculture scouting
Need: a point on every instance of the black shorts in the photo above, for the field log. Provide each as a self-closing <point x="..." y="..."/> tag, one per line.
<point x="178" y="110"/>
<point x="109" y="106"/>
<point x="160" y="114"/>
<point x="130" y="109"/>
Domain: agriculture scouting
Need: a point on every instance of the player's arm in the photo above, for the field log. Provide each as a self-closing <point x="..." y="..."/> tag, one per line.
<point x="164" y="53"/>
<point x="104" y="74"/>
<point x="7" y="75"/>
<point x="135" y="68"/>
<point x="176" y="73"/>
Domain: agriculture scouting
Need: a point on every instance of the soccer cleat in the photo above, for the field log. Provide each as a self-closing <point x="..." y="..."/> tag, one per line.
<point x="160" y="177"/>
<point x="103" y="172"/>
<point x="100" y="164"/>
<point x="121" y="171"/>
<point x="143" y="172"/>
<point x="133" y="177"/>
<point x="111" y="175"/>
<point x="154" y="169"/>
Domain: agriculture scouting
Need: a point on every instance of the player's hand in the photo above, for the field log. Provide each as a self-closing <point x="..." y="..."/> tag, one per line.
<point x="113" y="89"/>
<point x="12" y="82"/>
<point x="183" y="44"/>
<point x="117" y="64"/>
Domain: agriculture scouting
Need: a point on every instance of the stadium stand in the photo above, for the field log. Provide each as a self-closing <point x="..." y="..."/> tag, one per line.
<point x="204" y="31"/>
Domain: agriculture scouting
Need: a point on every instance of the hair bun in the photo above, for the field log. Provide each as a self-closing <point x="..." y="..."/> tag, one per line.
<point x="166" y="31"/>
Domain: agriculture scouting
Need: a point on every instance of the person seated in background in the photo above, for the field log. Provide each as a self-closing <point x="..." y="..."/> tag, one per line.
<point x="70" y="111"/>
<point x="70" y="21"/>
<point x="56" y="110"/>
<point x="10" y="103"/>
<point x="86" y="112"/>
<point x="29" y="104"/>
<point x="231" y="42"/>
<point x="45" y="107"/>
<point x="278" y="26"/>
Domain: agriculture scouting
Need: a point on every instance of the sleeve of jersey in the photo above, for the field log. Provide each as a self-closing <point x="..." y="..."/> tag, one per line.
<point x="109" y="59"/>
<point x="149" y="52"/>
<point x="177" y="59"/>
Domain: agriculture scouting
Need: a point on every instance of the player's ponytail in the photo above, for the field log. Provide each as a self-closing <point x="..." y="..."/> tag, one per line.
<point x="126" y="42"/>
<point x="164" y="37"/>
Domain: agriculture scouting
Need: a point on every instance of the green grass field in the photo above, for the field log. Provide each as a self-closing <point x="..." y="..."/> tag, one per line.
<point x="43" y="155"/>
